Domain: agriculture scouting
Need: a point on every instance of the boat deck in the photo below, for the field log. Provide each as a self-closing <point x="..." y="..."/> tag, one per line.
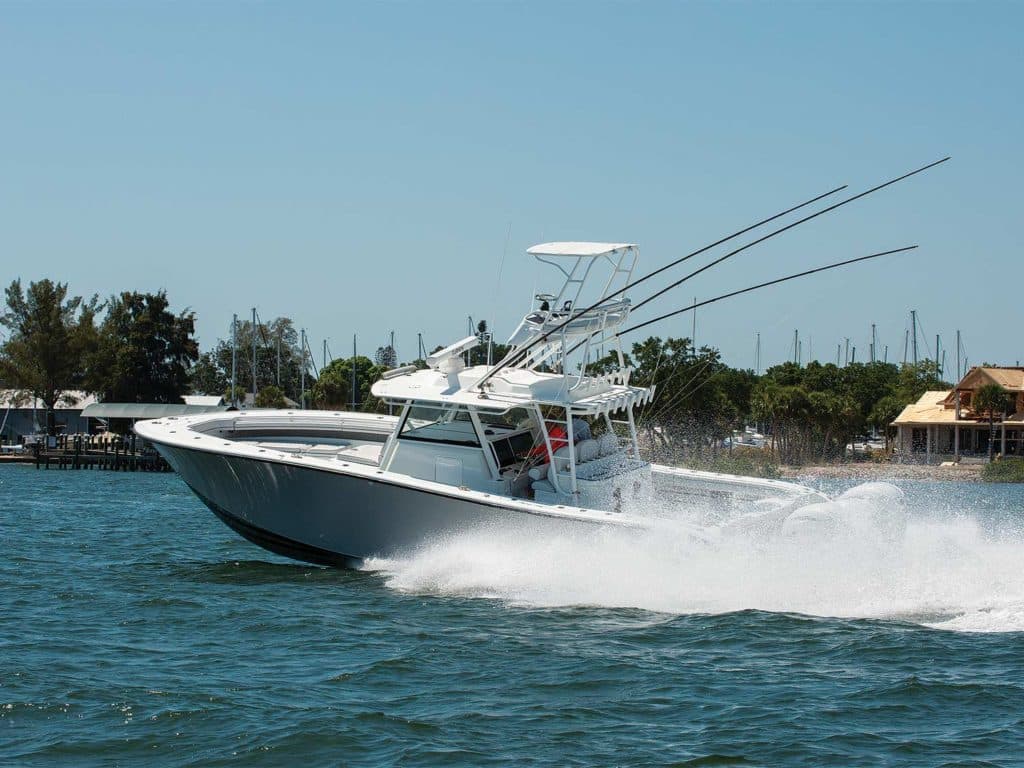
<point x="358" y="453"/>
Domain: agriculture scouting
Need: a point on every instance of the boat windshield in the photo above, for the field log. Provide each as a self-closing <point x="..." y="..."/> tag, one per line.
<point x="439" y="424"/>
<point x="515" y="418"/>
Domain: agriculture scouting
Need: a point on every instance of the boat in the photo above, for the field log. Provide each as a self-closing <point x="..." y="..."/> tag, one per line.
<point x="536" y="441"/>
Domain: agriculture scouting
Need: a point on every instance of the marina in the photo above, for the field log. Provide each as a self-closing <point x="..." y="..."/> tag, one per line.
<point x="85" y="452"/>
<point x="556" y="385"/>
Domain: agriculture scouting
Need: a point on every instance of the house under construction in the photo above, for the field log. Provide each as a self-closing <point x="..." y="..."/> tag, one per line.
<point x="942" y="425"/>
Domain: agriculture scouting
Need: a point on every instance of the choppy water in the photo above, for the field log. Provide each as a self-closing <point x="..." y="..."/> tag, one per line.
<point x="136" y="629"/>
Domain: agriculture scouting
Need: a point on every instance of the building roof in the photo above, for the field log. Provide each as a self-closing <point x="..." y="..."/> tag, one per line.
<point x="931" y="408"/>
<point x="72" y="400"/>
<point x="203" y="399"/>
<point x="1011" y="379"/>
<point x="147" y="410"/>
<point x="576" y="249"/>
<point x="249" y="402"/>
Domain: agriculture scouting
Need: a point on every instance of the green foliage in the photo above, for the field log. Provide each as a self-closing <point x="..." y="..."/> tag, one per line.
<point x="206" y="377"/>
<point x="272" y="336"/>
<point x="991" y="400"/>
<point x="333" y="390"/>
<point x="915" y="379"/>
<point x="236" y="398"/>
<point x="749" y="463"/>
<point x="270" y="397"/>
<point x="478" y="356"/>
<point x="1006" y="470"/>
<point x="50" y="339"/>
<point x="812" y="412"/>
<point x="144" y="351"/>
<point x="386" y="357"/>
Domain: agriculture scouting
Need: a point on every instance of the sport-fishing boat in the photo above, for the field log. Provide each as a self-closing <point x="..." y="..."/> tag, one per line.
<point x="540" y="440"/>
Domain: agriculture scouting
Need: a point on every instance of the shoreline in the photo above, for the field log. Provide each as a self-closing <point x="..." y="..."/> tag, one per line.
<point x="960" y="473"/>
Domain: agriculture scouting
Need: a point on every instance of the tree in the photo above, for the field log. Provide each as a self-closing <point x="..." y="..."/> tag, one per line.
<point x="236" y="398"/>
<point x="386" y="357"/>
<point x="884" y="413"/>
<point x="272" y="337"/>
<point x="478" y="355"/>
<point x="206" y="377"/>
<point x="270" y="397"/>
<point x="145" y="350"/>
<point x="915" y="379"/>
<point x="333" y="390"/>
<point x="990" y="399"/>
<point x="51" y="336"/>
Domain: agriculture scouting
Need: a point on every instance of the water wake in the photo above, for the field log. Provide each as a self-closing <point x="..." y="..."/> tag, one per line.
<point x="859" y="556"/>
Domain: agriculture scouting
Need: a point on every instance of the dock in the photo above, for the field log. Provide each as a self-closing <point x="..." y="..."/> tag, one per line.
<point x="104" y="452"/>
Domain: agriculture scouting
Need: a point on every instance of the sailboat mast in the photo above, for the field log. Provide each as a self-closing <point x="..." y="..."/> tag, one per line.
<point x="302" y="371"/>
<point x="353" y="371"/>
<point x="234" y="357"/>
<point x="254" y="356"/>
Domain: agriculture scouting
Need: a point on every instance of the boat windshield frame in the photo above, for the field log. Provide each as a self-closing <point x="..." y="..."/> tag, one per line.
<point x="448" y="413"/>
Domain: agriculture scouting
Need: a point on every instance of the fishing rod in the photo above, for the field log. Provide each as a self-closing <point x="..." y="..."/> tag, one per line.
<point x="515" y="354"/>
<point x="683" y="391"/>
<point x="699" y="304"/>
<point x="520" y="353"/>
<point x="779" y="231"/>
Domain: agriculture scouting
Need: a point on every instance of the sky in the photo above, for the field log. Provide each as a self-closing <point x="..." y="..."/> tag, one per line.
<point x="369" y="167"/>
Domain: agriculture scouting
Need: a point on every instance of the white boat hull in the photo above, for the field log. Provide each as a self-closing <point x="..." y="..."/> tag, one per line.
<point x="328" y="509"/>
<point x="327" y="517"/>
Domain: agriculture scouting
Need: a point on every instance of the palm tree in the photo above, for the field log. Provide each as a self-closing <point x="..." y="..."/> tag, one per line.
<point x="990" y="399"/>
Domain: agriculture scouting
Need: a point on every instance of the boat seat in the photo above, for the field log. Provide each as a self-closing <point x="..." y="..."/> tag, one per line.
<point x="607" y="444"/>
<point x="591" y="462"/>
<point x="587" y="450"/>
<point x="361" y="454"/>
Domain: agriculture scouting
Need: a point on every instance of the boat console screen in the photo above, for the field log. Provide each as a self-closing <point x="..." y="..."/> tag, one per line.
<point x="512" y="449"/>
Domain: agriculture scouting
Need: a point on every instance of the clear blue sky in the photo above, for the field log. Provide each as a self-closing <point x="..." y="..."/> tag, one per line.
<point x="358" y="166"/>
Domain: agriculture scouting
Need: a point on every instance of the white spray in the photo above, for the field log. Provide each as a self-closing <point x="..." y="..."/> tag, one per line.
<point x="857" y="556"/>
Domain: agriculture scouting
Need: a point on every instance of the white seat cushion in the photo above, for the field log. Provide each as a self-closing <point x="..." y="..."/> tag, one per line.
<point x="560" y="463"/>
<point x="587" y="450"/>
<point x="607" y="444"/>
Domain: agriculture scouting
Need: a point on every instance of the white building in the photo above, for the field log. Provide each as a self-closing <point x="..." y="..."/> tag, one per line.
<point x="21" y="414"/>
